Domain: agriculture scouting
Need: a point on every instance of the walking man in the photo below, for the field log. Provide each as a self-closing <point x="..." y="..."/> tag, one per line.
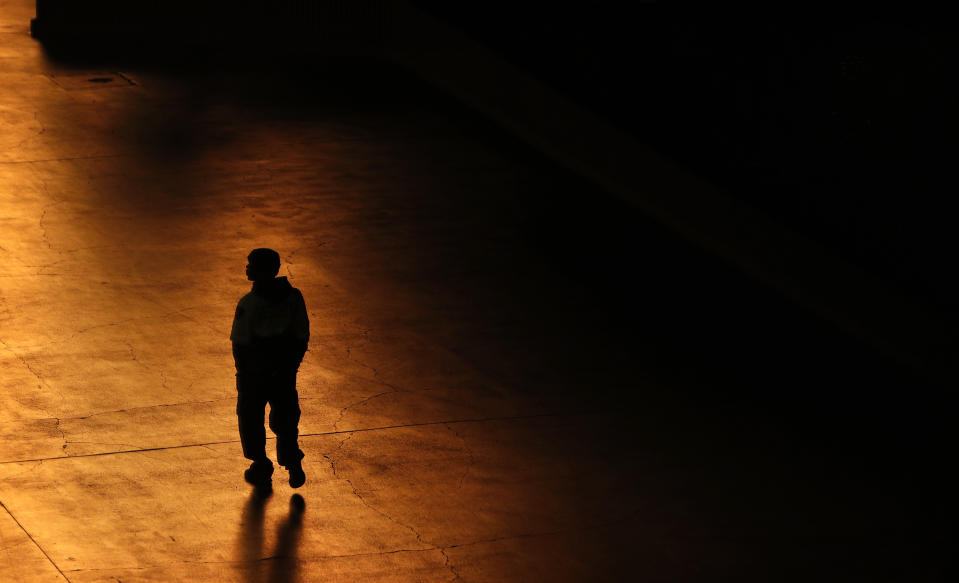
<point x="270" y="334"/>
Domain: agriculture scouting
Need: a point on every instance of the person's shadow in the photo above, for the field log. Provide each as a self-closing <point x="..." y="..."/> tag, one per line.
<point x="281" y="566"/>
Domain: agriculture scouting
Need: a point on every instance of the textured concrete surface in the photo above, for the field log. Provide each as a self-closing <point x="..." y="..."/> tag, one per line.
<point x="466" y="415"/>
<point x="128" y="207"/>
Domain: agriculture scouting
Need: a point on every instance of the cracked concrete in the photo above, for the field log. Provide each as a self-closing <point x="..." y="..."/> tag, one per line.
<point x="357" y="494"/>
<point x="467" y="413"/>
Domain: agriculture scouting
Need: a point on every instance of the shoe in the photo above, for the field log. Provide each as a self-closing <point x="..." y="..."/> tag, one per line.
<point x="259" y="473"/>
<point x="297" y="477"/>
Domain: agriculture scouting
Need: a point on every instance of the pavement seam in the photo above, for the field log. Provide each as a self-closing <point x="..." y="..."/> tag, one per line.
<point x="319" y="434"/>
<point x="131" y="409"/>
<point x="66" y="159"/>
<point x="440" y="549"/>
<point x="33" y="540"/>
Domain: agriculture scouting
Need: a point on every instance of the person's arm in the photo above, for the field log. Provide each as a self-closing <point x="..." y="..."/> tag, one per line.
<point x="240" y="336"/>
<point x="241" y="356"/>
<point x="301" y="328"/>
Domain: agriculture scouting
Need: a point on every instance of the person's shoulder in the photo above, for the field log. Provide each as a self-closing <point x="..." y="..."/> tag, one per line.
<point x="295" y="299"/>
<point x="247" y="298"/>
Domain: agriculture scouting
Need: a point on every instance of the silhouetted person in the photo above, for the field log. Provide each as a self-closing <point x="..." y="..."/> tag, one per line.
<point x="270" y="334"/>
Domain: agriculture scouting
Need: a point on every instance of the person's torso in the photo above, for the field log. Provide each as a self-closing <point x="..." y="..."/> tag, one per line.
<point x="268" y="319"/>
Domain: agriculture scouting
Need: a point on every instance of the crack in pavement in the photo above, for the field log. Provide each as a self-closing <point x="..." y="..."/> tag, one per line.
<point x="449" y="565"/>
<point x="42" y="269"/>
<point x="469" y="452"/>
<point x="252" y="561"/>
<point x="83" y="417"/>
<point x="33" y="540"/>
<point x="313" y="557"/>
<point x="41" y="382"/>
<point x="67" y="442"/>
<point x="161" y="372"/>
<point x="23" y="360"/>
<point x="135" y="447"/>
<point x="289" y="258"/>
<point x="119" y="322"/>
<point x="509" y="537"/>
<point x="22" y="143"/>
<point x="64" y="159"/>
<point x="416" y="533"/>
<point x="344" y="410"/>
<point x="318" y="434"/>
<point x="63" y="435"/>
<point x="43" y="227"/>
<point x="329" y="456"/>
<point x="182" y="312"/>
<point x="365" y="332"/>
<point x="359" y="496"/>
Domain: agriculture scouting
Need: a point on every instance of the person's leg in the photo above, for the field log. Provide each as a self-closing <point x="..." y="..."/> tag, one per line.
<point x="284" y="421"/>
<point x="250" y="409"/>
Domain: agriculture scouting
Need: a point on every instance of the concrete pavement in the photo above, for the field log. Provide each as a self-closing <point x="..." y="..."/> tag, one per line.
<point x="128" y="208"/>
<point x="468" y="415"/>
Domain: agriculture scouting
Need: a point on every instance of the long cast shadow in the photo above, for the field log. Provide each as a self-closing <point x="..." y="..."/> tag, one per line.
<point x="249" y="547"/>
<point x="283" y="567"/>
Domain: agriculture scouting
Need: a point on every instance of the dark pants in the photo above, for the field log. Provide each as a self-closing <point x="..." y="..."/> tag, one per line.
<point x="254" y="391"/>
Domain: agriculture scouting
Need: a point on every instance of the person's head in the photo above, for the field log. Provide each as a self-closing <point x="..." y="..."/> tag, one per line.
<point x="262" y="264"/>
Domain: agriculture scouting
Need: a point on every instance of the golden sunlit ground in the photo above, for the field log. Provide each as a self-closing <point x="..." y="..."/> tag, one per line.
<point x="127" y="208"/>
